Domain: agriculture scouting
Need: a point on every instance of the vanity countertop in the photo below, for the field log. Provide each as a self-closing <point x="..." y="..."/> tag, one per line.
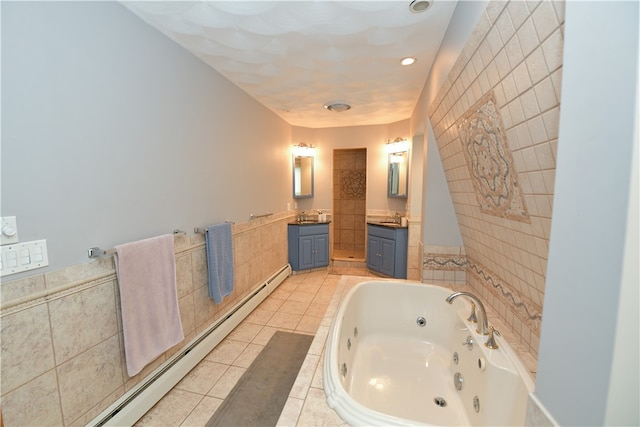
<point x="309" y="222"/>
<point x="389" y="224"/>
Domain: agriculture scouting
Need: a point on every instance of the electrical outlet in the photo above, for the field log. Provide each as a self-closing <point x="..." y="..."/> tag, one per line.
<point x="8" y="230"/>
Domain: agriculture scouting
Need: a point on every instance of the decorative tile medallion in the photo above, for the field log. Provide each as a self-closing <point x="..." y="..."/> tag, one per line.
<point x="354" y="184"/>
<point x="490" y="162"/>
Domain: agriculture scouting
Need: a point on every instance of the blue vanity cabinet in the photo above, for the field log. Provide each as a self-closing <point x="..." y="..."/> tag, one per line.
<point x="308" y="246"/>
<point x="387" y="250"/>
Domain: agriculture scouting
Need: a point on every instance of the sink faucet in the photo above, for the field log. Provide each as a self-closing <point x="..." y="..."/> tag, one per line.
<point x="483" y="324"/>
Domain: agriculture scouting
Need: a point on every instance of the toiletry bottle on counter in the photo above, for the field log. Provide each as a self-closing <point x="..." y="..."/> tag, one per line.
<point x="403" y="221"/>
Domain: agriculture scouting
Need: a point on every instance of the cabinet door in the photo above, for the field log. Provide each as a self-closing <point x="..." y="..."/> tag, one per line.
<point x="305" y="252"/>
<point x="322" y="250"/>
<point x="388" y="258"/>
<point x="373" y="253"/>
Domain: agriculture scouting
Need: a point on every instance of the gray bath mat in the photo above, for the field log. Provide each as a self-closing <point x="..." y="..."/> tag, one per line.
<point x="261" y="392"/>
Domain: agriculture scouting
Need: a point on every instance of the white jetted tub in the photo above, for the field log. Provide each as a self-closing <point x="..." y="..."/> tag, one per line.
<point x="397" y="354"/>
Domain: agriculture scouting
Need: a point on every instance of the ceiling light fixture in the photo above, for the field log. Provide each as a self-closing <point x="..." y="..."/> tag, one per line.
<point x="337" y="106"/>
<point x="408" y="60"/>
<point x="418" y="6"/>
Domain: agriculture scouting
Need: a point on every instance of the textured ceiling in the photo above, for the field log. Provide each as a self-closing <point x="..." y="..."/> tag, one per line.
<point x="295" y="56"/>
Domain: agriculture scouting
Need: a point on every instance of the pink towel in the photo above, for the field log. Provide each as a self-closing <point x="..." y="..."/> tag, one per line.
<point x="151" y="323"/>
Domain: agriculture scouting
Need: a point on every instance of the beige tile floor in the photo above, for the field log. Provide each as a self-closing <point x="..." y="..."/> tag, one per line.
<point x="297" y="305"/>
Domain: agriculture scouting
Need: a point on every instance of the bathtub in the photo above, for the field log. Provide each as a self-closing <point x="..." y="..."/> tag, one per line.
<point x="396" y="355"/>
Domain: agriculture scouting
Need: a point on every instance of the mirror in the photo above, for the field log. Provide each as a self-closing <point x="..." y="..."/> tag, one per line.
<point x="302" y="177"/>
<point x="398" y="175"/>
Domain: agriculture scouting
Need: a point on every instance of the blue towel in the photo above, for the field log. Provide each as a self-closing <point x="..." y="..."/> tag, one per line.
<point x="220" y="261"/>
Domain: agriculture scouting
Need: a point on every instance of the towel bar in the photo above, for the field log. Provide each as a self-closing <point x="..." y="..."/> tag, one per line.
<point x="96" y="252"/>
<point x="202" y="230"/>
<point x="252" y="216"/>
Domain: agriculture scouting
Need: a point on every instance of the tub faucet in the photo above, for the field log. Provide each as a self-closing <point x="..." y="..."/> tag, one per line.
<point x="491" y="341"/>
<point x="483" y="324"/>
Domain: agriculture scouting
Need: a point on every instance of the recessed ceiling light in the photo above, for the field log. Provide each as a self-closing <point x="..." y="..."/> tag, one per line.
<point x="337" y="107"/>
<point x="408" y="60"/>
<point x="417" y="6"/>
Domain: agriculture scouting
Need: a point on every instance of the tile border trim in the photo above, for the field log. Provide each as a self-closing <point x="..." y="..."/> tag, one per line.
<point x="494" y="282"/>
<point x="432" y="261"/>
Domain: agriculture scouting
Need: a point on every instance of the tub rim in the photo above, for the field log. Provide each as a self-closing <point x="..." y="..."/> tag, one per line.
<point x="356" y="413"/>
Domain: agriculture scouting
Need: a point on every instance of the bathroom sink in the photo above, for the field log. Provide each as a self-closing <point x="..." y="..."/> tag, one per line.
<point x="307" y="222"/>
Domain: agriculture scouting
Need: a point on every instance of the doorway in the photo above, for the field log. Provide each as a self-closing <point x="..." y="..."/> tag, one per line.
<point x="349" y="204"/>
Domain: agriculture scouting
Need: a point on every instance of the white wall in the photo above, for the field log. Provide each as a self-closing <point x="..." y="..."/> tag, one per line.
<point x="624" y="390"/>
<point x="111" y="133"/>
<point x="588" y="363"/>
<point x="416" y="180"/>
<point x="440" y="225"/>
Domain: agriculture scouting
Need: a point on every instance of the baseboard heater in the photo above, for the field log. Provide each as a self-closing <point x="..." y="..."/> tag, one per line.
<point x="146" y="394"/>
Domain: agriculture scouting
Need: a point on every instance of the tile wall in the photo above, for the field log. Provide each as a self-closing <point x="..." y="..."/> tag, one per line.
<point x="62" y="351"/>
<point x="414" y="250"/>
<point x="515" y="56"/>
<point x="444" y="265"/>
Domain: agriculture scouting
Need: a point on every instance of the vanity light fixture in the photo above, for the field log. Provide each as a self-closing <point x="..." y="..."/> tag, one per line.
<point x="304" y="150"/>
<point x="409" y="60"/>
<point x="337" y="106"/>
<point x="398" y="145"/>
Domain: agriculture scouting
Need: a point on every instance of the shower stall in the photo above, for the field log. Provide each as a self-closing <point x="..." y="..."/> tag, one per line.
<point x="349" y="203"/>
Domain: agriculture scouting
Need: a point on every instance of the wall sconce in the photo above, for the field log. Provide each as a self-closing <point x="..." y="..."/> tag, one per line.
<point x="304" y="150"/>
<point x="398" y="145"/>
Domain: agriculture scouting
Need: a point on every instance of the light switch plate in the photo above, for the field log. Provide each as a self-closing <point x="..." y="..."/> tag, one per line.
<point x="23" y="256"/>
<point x="8" y="230"/>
